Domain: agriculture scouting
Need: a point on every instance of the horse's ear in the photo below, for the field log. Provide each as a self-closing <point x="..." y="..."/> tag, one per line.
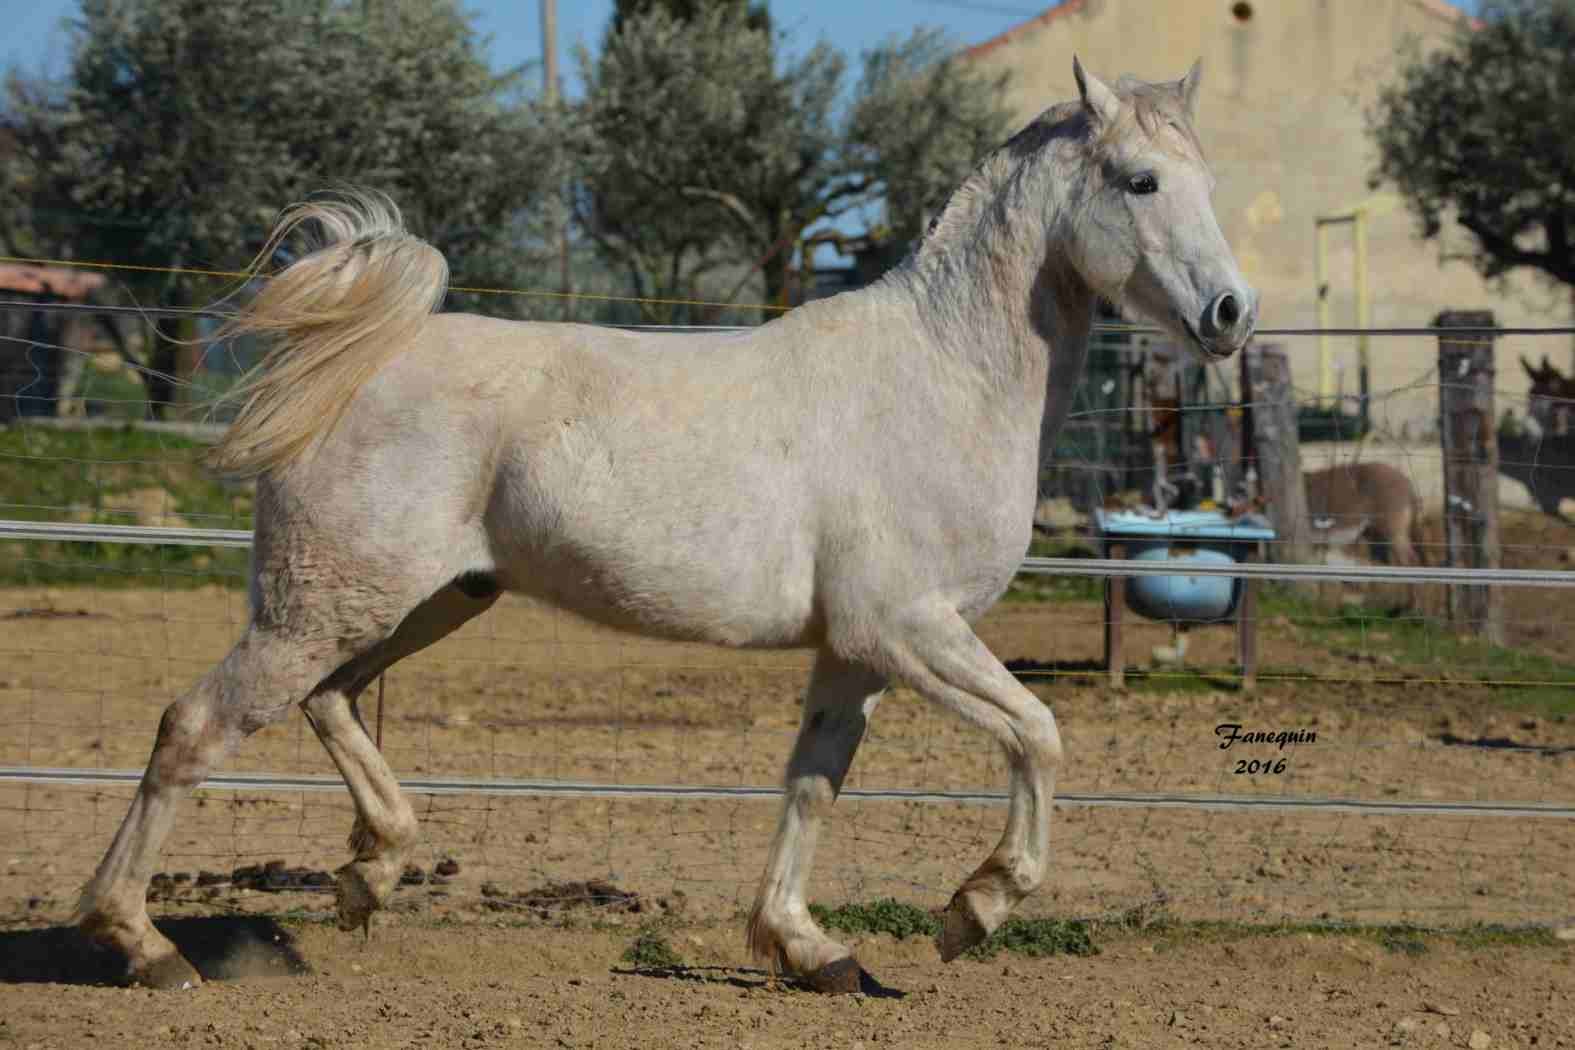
<point x="1532" y="372"/>
<point x="1100" y="102"/>
<point x="1188" y="89"/>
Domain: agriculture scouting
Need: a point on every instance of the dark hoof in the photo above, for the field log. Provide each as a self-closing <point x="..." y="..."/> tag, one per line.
<point x="840" y="977"/>
<point x="171" y="973"/>
<point x="962" y="931"/>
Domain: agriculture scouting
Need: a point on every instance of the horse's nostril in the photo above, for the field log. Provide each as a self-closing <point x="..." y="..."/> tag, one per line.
<point x="1227" y="310"/>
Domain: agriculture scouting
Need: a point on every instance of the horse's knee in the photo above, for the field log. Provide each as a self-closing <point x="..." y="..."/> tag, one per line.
<point x="1038" y="738"/>
<point x="192" y="738"/>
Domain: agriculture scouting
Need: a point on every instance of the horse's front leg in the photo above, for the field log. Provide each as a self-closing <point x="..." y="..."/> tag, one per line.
<point x="840" y="701"/>
<point x="935" y="651"/>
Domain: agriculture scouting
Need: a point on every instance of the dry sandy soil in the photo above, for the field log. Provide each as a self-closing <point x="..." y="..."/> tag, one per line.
<point x="420" y="986"/>
<point x="527" y="693"/>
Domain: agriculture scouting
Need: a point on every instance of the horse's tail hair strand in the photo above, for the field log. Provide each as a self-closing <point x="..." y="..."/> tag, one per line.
<point x="336" y="315"/>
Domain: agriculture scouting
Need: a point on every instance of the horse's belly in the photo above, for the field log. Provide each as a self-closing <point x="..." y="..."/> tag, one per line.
<point x="670" y="571"/>
<point x="687" y="602"/>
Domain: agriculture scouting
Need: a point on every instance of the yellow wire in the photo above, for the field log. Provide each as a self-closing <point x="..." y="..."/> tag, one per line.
<point x="453" y="288"/>
<point x="116" y="266"/>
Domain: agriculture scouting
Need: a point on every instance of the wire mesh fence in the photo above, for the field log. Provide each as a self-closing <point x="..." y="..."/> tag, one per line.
<point x="1408" y="771"/>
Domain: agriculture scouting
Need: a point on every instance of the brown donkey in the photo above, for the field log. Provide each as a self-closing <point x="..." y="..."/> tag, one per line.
<point x="1352" y="500"/>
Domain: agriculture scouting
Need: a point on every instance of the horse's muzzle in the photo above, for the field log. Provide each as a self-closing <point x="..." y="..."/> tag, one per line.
<point x="1227" y="322"/>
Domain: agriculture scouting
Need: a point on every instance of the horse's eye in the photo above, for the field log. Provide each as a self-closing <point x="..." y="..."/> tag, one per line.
<point x="1144" y="183"/>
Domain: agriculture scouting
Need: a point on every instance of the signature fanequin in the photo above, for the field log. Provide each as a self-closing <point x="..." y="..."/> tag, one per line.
<point x="1233" y="733"/>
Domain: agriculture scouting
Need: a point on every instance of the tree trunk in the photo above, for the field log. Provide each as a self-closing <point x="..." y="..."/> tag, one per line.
<point x="173" y="358"/>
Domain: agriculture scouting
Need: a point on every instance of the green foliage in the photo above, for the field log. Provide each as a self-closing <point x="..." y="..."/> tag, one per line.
<point x="1484" y="130"/>
<point x="889" y="916"/>
<point x="1037" y="938"/>
<point x="55" y="475"/>
<point x="921" y="122"/>
<point x="185" y="125"/>
<point x="703" y="155"/>
<point x="754" y="14"/>
<point x="698" y="152"/>
<point x="650" y="951"/>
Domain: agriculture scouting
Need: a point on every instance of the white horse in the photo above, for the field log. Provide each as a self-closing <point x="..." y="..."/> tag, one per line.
<point x="857" y="476"/>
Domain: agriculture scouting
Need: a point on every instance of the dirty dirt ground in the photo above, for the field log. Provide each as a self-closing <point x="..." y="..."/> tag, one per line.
<point x="527" y="693"/>
<point x="422" y="985"/>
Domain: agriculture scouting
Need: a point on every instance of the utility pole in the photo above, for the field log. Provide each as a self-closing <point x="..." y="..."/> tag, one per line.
<point x="549" y="49"/>
<point x="549" y="75"/>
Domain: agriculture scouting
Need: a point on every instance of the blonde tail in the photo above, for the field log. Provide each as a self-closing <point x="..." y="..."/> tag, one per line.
<point x="336" y="315"/>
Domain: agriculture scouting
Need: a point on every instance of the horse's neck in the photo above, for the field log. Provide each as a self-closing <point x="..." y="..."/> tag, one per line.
<point x="1000" y="303"/>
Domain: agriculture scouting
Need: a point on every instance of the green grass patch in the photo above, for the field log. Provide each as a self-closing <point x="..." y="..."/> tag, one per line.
<point x="1404" y="944"/>
<point x="650" y="951"/>
<point x="888" y="916"/>
<point x="1037" y="938"/>
<point x="1399" y="938"/>
<point x="1031" y="937"/>
<point x="1520" y="679"/>
<point x="115" y="476"/>
<point x="1038" y="587"/>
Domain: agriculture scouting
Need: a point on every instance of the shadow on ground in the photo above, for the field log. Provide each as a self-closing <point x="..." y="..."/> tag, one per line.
<point x="746" y="978"/>
<point x="1502" y="743"/>
<point x="221" y="948"/>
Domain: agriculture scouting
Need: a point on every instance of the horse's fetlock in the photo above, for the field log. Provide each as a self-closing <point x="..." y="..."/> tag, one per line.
<point x="402" y="832"/>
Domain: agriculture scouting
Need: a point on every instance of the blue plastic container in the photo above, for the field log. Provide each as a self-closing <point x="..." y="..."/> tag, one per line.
<point x="1209" y="537"/>
<point x="1184" y="599"/>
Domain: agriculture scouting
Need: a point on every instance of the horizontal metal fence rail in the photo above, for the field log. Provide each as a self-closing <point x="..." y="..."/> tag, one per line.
<point x="502" y="788"/>
<point x="70" y="532"/>
<point x="1316" y="573"/>
<point x="142" y="535"/>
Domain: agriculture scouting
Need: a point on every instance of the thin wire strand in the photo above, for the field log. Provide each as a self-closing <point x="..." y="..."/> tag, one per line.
<point x="1098" y="326"/>
<point x="653" y="300"/>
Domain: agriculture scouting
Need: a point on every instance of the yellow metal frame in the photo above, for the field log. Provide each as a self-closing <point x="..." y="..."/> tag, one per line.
<point x="1357" y="216"/>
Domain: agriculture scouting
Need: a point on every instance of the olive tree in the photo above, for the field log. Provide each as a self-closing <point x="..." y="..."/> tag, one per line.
<point x="184" y="125"/>
<point x="1481" y="133"/>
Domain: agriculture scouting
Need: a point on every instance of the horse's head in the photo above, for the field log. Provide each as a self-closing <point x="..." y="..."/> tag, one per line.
<point x="1141" y="226"/>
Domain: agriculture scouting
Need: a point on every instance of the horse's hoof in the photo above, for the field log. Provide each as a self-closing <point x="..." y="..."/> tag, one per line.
<point x="169" y="973"/>
<point x="838" y="977"/>
<point x="962" y="930"/>
<point x="354" y="898"/>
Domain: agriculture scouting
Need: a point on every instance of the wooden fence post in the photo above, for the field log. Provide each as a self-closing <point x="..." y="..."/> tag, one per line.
<point x="1275" y="449"/>
<point x="1466" y="430"/>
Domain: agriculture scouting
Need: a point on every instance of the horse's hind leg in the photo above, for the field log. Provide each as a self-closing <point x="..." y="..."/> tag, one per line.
<point x="255" y="684"/>
<point x="840" y="700"/>
<point x="385" y="826"/>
